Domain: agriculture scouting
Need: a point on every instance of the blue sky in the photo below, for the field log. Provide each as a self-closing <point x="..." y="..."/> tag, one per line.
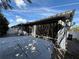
<point x="26" y="12"/>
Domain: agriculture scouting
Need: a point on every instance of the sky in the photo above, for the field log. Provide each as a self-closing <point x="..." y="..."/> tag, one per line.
<point x="25" y="12"/>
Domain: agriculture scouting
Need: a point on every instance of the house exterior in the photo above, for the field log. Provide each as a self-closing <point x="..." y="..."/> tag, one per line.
<point x="54" y="28"/>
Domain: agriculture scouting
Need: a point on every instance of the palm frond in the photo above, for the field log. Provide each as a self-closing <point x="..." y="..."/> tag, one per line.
<point x="29" y="1"/>
<point x="5" y="4"/>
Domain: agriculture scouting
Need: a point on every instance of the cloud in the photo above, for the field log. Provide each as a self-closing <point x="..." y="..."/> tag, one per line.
<point x="12" y="24"/>
<point x="20" y="20"/>
<point x="11" y="20"/>
<point x="35" y="13"/>
<point x="20" y="3"/>
<point x="63" y="5"/>
<point x="43" y="9"/>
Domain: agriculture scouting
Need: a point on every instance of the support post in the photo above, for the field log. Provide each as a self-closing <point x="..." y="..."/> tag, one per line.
<point x="34" y="31"/>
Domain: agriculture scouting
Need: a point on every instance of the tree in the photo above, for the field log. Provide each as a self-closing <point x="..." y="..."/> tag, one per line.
<point x="3" y="25"/>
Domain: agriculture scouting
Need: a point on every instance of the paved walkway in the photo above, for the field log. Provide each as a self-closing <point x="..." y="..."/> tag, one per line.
<point x="24" y="47"/>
